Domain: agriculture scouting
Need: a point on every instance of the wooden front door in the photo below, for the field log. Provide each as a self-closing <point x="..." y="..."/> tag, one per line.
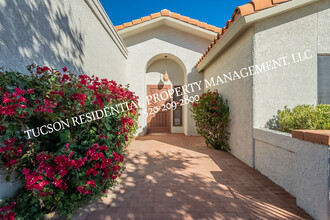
<point x="158" y="120"/>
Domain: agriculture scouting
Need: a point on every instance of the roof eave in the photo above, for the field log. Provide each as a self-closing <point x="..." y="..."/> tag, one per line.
<point x="244" y="22"/>
<point x="168" y="21"/>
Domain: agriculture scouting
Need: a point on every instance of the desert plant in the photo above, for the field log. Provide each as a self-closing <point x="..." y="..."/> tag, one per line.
<point x="304" y="117"/>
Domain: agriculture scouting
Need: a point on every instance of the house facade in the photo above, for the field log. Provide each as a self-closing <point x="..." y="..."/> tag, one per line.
<point x="279" y="50"/>
<point x="258" y="32"/>
<point x="148" y="41"/>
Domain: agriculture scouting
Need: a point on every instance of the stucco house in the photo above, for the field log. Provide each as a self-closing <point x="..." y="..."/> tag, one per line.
<point x="273" y="52"/>
<point x="260" y="31"/>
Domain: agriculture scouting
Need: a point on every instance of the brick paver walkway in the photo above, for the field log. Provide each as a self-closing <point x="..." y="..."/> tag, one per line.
<point x="176" y="177"/>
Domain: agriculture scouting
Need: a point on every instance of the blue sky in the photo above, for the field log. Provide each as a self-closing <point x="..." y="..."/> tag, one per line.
<point x="211" y="12"/>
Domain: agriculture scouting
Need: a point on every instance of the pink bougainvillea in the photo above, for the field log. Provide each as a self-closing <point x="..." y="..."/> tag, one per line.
<point x="61" y="169"/>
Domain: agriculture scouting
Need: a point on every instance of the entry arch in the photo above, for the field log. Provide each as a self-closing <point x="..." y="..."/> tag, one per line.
<point x="170" y="121"/>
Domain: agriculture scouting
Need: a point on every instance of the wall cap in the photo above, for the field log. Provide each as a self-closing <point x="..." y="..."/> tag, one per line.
<point x="276" y="138"/>
<point x="314" y="136"/>
<point x="105" y="21"/>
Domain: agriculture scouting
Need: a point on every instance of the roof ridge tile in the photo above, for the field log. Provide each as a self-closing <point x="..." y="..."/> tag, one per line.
<point x="174" y="15"/>
<point x="165" y="12"/>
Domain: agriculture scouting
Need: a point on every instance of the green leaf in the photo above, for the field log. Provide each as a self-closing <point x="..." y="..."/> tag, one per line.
<point x="33" y="209"/>
<point x="8" y="178"/>
<point x="108" y="126"/>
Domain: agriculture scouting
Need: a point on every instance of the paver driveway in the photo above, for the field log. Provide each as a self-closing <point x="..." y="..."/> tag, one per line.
<point x="176" y="177"/>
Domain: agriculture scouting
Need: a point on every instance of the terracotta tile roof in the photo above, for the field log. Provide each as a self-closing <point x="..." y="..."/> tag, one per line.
<point x="252" y="7"/>
<point x="168" y="13"/>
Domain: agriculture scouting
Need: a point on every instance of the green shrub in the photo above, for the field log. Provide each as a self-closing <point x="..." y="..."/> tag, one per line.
<point x="304" y="117"/>
<point x="211" y="114"/>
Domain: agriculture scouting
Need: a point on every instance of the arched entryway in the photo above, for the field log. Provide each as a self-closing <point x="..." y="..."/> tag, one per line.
<point x="165" y="113"/>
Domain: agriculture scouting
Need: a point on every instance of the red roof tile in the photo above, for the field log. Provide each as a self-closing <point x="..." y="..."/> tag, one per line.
<point x="244" y="10"/>
<point x="280" y="1"/>
<point x="137" y="21"/>
<point x="119" y="27"/>
<point x="177" y="16"/>
<point x="165" y="12"/>
<point x="155" y="15"/>
<point x="261" y="4"/>
<point x="143" y="19"/>
<point x="128" y="24"/>
<point x="252" y="7"/>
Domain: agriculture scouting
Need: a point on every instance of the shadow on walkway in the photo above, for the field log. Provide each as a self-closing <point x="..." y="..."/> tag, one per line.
<point x="177" y="177"/>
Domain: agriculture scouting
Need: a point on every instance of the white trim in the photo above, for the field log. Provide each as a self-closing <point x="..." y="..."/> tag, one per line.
<point x="244" y="22"/>
<point x="168" y="21"/>
<point x="104" y="20"/>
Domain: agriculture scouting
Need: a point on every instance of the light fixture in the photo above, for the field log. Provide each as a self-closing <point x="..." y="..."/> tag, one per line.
<point x="165" y="77"/>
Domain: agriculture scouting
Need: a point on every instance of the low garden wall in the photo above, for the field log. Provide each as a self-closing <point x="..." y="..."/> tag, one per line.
<point x="299" y="166"/>
<point x="8" y="189"/>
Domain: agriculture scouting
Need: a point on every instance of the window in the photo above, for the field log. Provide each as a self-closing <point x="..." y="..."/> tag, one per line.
<point x="177" y="113"/>
<point x="323" y="79"/>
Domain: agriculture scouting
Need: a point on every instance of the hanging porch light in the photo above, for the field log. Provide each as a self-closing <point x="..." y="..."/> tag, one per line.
<point x="165" y="77"/>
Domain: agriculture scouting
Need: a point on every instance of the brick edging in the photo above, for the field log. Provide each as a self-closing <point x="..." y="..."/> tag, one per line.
<point x="314" y="136"/>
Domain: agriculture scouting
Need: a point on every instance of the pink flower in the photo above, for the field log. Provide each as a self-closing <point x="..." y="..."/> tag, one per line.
<point x="62" y="173"/>
<point x="26" y="171"/>
<point x="79" y="163"/>
<point x="29" y="91"/>
<point x="10" y="215"/>
<point x="11" y="162"/>
<point x="19" y="91"/>
<point x="57" y="182"/>
<point x="66" y="146"/>
<point x="45" y="68"/>
<point x="64" y="69"/>
<point x="91" y="183"/>
<point x="6" y="99"/>
<point x="21" y="99"/>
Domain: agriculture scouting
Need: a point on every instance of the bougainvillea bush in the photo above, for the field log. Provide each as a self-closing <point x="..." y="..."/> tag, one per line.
<point x="211" y="114"/>
<point x="63" y="169"/>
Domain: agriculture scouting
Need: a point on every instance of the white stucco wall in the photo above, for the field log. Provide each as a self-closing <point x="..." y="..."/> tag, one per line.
<point x="75" y="34"/>
<point x="60" y="33"/>
<point x="313" y="180"/>
<point x="239" y="94"/>
<point x="300" y="167"/>
<point x="8" y="189"/>
<point x="323" y="24"/>
<point x="276" y="157"/>
<point x="305" y="28"/>
<point x="144" y="46"/>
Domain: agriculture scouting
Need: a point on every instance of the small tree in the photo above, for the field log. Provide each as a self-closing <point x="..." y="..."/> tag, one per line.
<point x="211" y="114"/>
